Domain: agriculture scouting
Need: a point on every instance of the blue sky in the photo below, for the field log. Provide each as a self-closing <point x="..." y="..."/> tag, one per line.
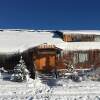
<point x="50" y="14"/>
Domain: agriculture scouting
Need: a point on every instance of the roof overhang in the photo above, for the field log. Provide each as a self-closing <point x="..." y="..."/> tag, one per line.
<point x="79" y="46"/>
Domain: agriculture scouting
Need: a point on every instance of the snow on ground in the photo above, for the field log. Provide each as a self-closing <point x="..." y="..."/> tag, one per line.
<point x="48" y="89"/>
<point x="21" y="91"/>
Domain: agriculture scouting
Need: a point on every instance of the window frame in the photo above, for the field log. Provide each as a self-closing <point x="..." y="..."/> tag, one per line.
<point x="77" y="58"/>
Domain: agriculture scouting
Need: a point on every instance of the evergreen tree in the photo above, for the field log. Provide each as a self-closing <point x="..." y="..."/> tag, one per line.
<point x="20" y="72"/>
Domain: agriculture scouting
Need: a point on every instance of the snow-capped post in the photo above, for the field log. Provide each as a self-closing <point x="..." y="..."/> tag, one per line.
<point x="20" y="72"/>
<point x="56" y="73"/>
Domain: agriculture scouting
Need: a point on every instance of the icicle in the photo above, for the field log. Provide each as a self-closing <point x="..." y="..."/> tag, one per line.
<point x="58" y="56"/>
<point x="61" y="54"/>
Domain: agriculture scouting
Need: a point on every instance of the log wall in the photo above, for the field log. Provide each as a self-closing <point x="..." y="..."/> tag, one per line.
<point x="93" y="60"/>
<point x="78" y="38"/>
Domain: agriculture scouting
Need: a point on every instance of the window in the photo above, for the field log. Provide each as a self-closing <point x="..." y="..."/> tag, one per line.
<point x="80" y="57"/>
<point x="75" y="58"/>
<point x="83" y="57"/>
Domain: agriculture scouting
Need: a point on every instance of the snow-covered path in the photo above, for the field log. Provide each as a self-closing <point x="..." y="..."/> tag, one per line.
<point x="49" y="89"/>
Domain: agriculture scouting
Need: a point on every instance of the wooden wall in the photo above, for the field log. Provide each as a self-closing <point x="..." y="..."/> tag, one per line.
<point x="79" y="37"/>
<point x="47" y="62"/>
<point x="9" y="61"/>
<point x="96" y="56"/>
<point x="48" y="59"/>
<point x="67" y="38"/>
<point x="93" y="60"/>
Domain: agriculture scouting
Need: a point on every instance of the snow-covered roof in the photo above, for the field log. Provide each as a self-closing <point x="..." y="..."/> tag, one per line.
<point x="78" y="46"/>
<point x="16" y="40"/>
<point x="85" y="32"/>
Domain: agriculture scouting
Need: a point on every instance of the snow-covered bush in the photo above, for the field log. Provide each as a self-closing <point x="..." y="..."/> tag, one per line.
<point x="75" y="77"/>
<point x="98" y="79"/>
<point x="2" y="70"/>
<point x="20" y="72"/>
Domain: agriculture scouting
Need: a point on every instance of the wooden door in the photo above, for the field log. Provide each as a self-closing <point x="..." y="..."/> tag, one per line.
<point x="40" y="63"/>
<point x="46" y="62"/>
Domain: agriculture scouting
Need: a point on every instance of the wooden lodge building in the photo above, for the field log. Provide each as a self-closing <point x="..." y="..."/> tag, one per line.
<point x="47" y="50"/>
